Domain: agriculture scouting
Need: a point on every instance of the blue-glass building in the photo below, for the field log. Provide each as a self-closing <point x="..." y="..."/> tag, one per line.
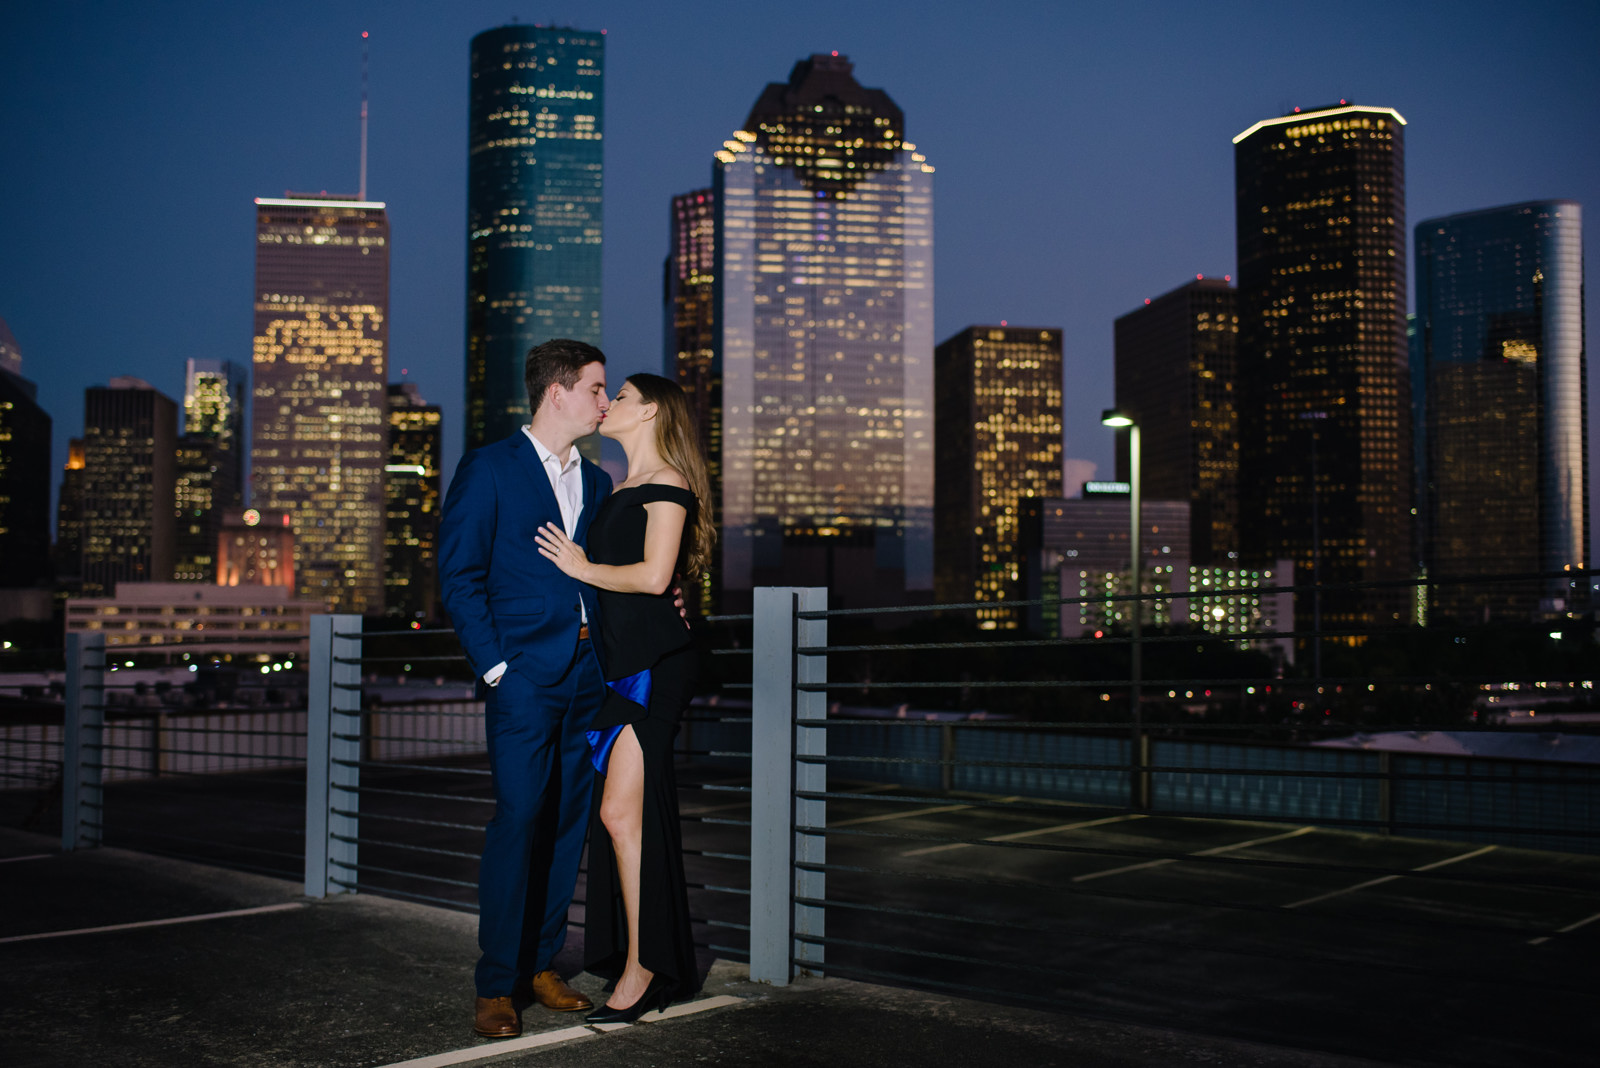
<point x="534" y="178"/>
<point x="1503" y="404"/>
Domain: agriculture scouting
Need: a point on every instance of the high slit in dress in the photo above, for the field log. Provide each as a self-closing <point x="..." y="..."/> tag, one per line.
<point x="651" y="662"/>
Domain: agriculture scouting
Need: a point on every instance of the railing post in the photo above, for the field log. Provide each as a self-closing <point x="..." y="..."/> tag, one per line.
<point x="947" y="758"/>
<point x="82" y="734"/>
<point x="810" y="813"/>
<point x="333" y="750"/>
<point x="1386" y="792"/>
<point x="776" y="840"/>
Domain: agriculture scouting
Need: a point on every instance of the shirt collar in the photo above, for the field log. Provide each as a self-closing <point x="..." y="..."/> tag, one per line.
<point x="545" y="455"/>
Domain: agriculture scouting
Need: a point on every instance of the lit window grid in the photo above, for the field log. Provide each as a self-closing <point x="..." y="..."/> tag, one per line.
<point x="535" y="210"/>
<point x="1219" y="601"/>
<point x="826" y="342"/>
<point x="1005" y="381"/>
<point x="320" y="406"/>
<point x="1500" y="404"/>
<point x="1322" y="289"/>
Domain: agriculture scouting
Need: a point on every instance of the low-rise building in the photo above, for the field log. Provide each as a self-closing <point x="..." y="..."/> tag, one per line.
<point x="231" y="623"/>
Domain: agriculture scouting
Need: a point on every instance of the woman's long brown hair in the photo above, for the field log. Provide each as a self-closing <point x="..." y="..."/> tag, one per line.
<point x="680" y="447"/>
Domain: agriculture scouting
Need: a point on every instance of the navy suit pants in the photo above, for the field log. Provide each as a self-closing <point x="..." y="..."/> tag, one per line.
<point x="532" y="847"/>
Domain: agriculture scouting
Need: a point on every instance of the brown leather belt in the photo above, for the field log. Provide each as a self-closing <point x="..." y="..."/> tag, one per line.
<point x="583" y="632"/>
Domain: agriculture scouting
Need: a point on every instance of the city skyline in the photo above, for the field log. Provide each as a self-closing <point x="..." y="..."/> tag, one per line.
<point x="1053" y="241"/>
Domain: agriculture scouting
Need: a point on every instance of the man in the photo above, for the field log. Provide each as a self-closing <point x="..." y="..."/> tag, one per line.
<point x="525" y="627"/>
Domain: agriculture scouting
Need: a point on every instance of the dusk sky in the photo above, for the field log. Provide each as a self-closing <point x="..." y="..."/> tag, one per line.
<point x="1083" y="153"/>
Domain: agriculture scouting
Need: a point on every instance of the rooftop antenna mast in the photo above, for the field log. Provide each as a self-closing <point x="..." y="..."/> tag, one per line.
<point x="362" y="195"/>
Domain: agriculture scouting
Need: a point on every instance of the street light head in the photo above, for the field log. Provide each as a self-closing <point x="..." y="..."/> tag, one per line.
<point x="1115" y="417"/>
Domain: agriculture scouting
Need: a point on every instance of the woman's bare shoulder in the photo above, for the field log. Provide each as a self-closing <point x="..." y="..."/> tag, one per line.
<point x="669" y="476"/>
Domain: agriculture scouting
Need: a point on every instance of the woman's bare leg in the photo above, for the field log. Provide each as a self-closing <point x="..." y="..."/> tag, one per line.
<point x="622" y="812"/>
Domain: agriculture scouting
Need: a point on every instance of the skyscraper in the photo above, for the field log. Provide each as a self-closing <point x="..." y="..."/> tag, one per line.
<point x="213" y="408"/>
<point x="689" y="321"/>
<point x="997" y="419"/>
<point x="535" y="172"/>
<point x="320" y="436"/>
<point x="1503" y="407"/>
<point x="196" y="524"/>
<point x="69" y="518"/>
<point x="130" y="433"/>
<point x="10" y="351"/>
<point x="824" y="339"/>
<point x="24" y="473"/>
<point x="411" y="504"/>
<point x="1325" y="450"/>
<point x="1176" y="375"/>
<point x="210" y="473"/>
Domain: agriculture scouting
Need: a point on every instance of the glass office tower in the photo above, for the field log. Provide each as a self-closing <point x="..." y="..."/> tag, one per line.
<point x="1176" y="375"/>
<point x="320" y="426"/>
<point x="534" y="175"/>
<point x="1325" y="437"/>
<point x="24" y="473"/>
<point x="997" y="418"/>
<point x="130" y="433"/>
<point x="210" y="463"/>
<point x="690" y="345"/>
<point x="411" y="502"/>
<point x="824" y="333"/>
<point x="69" y="518"/>
<point x="1503" y="408"/>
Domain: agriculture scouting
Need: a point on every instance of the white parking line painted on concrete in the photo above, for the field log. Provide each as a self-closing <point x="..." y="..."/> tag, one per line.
<point x="552" y="1038"/>
<point x="30" y="856"/>
<point x="496" y="1049"/>
<point x="259" y="910"/>
<point x="1542" y="939"/>
<point x="1214" y="851"/>
<point x="909" y="813"/>
<point x="926" y="850"/>
<point x="1380" y="880"/>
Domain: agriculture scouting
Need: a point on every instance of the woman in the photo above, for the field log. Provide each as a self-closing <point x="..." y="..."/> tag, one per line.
<point x="655" y="523"/>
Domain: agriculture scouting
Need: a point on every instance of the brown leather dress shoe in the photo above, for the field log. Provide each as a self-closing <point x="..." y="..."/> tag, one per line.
<point x="496" y="1018"/>
<point x="550" y="991"/>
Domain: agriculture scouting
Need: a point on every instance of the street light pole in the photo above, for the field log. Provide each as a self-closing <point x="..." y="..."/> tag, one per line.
<point x="1140" y="785"/>
<point x="1134" y="569"/>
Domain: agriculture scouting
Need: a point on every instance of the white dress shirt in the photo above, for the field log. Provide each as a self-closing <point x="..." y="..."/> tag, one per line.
<point x="566" y="480"/>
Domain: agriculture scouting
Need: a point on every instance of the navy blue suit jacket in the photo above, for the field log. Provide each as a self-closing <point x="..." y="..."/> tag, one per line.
<point x="506" y="600"/>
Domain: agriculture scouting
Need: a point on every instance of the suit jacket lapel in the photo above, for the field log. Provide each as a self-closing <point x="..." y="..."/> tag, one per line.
<point x="528" y="461"/>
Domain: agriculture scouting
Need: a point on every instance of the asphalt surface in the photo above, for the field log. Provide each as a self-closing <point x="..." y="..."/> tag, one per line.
<point x="362" y="980"/>
<point x="1271" y="934"/>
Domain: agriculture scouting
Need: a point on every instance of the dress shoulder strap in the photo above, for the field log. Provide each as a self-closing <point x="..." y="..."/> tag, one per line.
<point x="651" y="492"/>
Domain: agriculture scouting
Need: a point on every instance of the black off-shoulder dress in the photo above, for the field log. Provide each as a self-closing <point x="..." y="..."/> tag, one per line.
<point x="642" y="633"/>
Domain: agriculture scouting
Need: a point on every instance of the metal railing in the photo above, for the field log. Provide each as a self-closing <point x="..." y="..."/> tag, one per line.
<point x="1071" y="776"/>
<point x="30" y="750"/>
<point x="398" y="792"/>
<point x="853" y="873"/>
<point x="213" y="783"/>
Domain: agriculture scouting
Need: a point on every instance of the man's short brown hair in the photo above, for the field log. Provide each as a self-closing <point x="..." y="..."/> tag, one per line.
<point x="560" y="361"/>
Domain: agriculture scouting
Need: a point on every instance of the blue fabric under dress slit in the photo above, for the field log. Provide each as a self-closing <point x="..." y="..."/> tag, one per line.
<point x="635" y="688"/>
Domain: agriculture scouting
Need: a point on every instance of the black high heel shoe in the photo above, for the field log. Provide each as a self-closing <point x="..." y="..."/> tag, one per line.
<point x="658" y="995"/>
